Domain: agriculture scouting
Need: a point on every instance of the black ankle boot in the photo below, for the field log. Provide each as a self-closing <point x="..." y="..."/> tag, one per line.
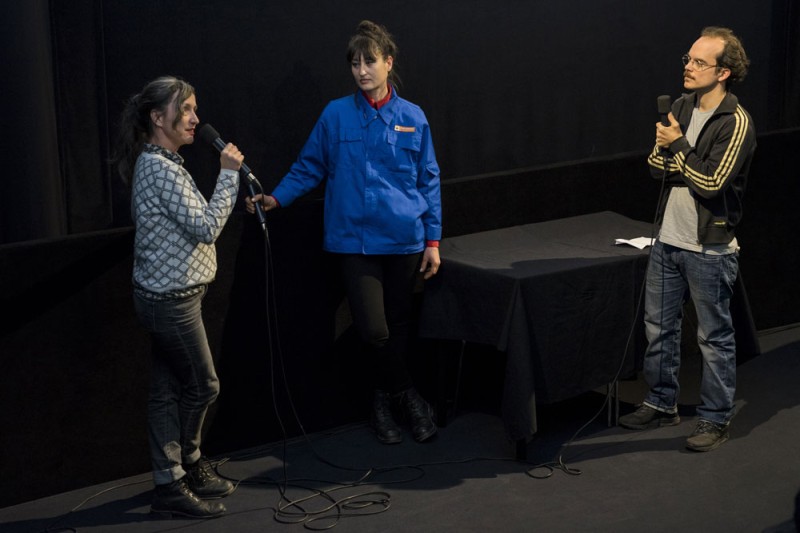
<point x="420" y="415"/>
<point x="177" y="499"/>
<point x="382" y="421"/>
<point x="203" y="481"/>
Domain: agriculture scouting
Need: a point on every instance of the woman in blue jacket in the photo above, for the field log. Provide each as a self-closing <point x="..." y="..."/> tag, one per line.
<point x="383" y="218"/>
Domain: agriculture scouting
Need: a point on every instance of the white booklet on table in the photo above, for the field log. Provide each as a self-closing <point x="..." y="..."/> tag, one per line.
<point x="639" y="242"/>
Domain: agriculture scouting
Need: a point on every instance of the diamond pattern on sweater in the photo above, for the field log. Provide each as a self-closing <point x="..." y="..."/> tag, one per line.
<point x="175" y="226"/>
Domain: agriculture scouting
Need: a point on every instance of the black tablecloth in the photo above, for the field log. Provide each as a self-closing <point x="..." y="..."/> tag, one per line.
<point x="559" y="297"/>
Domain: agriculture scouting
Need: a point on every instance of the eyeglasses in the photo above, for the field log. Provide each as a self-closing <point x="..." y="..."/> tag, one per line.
<point x="696" y="64"/>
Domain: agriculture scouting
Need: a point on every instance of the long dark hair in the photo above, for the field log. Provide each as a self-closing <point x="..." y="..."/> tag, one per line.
<point x="372" y="40"/>
<point x="136" y="127"/>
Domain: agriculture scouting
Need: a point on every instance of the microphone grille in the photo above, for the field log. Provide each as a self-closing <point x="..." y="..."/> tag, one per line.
<point x="208" y="133"/>
<point x="664" y="104"/>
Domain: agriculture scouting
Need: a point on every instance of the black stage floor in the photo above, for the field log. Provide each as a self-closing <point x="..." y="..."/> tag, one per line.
<point x="467" y="480"/>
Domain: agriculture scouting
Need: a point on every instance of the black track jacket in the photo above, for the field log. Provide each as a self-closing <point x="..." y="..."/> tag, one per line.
<point x="715" y="169"/>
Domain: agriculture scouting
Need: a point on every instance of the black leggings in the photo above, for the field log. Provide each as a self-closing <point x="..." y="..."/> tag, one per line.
<point x="380" y="290"/>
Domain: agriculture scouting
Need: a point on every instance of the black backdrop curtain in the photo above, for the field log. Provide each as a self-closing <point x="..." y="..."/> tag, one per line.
<point x="506" y="85"/>
<point x="78" y="48"/>
<point x="792" y="67"/>
<point x="31" y="191"/>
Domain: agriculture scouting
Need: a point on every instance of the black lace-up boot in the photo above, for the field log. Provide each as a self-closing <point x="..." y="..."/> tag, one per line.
<point x="420" y="415"/>
<point x="203" y="481"/>
<point x="178" y="500"/>
<point x="382" y="421"/>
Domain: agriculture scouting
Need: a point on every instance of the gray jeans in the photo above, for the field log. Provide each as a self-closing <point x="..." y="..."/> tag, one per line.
<point x="183" y="380"/>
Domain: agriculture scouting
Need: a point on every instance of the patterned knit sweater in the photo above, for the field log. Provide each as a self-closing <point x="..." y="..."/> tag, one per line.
<point x="175" y="226"/>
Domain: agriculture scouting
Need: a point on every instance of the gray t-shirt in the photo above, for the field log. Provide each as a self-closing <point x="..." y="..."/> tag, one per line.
<point x="679" y="227"/>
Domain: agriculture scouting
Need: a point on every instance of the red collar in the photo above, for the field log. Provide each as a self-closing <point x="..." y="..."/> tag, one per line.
<point x="380" y="103"/>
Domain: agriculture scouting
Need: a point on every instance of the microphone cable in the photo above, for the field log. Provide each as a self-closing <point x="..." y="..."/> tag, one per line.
<point x="293" y="511"/>
<point x="334" y="507"/>
<point x="547" y="469"/>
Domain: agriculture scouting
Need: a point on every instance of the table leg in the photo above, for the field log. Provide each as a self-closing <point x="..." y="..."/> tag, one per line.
<point x="522" y="449"/>
<point x="612" y="390"/>
<point x="443" y="406"/>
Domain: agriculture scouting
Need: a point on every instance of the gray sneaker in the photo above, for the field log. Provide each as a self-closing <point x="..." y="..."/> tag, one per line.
<point x="646" y="417"/>
<point x="707" y="436"/>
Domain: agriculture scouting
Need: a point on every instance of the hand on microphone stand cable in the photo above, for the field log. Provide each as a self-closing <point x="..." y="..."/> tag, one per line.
<point x="267" y="202"/>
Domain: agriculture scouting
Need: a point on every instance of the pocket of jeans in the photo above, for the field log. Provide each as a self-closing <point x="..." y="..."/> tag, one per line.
<point x="145" y="312"/>
<point x="731" y="268"/>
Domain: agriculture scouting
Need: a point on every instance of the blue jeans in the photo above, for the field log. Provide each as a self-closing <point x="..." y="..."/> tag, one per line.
<point x="673" y="275"/>
<point x="183" y="382"/>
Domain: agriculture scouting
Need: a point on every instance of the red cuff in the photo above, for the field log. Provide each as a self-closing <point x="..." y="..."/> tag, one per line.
<point x="276" y="200"/>
<point x="432" y="244"/>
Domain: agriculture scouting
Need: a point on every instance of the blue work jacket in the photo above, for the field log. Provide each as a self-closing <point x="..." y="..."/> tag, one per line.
<point x="382" y="192"/>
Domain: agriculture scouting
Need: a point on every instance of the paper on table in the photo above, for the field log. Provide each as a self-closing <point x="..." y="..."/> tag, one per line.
<point x="639" y="242"/>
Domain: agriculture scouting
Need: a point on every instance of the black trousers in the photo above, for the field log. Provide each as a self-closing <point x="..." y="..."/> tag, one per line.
<point x="380" y="290"/>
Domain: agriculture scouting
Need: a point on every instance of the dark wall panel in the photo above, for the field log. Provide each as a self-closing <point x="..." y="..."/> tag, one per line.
<point x="505" y="85"/>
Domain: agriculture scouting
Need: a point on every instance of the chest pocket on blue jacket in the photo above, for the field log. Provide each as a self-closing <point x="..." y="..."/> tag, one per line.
<point x="405" y="147"/>
<point x="348" y="147"/>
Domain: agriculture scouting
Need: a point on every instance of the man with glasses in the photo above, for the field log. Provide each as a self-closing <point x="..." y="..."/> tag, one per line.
<point x="703" y="156"/>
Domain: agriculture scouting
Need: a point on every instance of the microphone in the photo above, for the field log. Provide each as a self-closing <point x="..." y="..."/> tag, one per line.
<point x="212" y="137"/>
<point x="208" y="134"/>
<point x="664" y="105"/>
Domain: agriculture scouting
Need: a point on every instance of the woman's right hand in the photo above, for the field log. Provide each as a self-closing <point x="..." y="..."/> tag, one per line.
<point x="267" y="202"/>
<point x="230" y="157"/>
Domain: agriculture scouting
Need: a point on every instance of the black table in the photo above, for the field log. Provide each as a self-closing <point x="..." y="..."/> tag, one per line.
<point x="558" y="297"/>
